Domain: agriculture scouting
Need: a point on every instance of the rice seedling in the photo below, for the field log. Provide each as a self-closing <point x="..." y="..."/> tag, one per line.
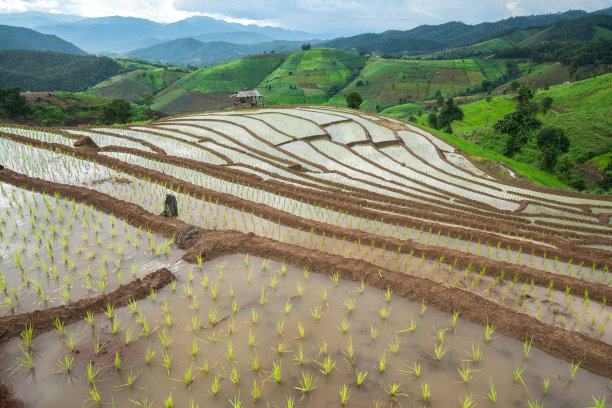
<point x="467" y="401"/>
<point x="307" y="383"/>
<point x="425" y="391"/>
<point x="573" y="369"/>
<point x="489" y="330"/>
<point x="439" y="352"/>
<point x="327" y="365"/>
<point x="345" y="393"/>
<point x="465" y="372"/>
<point x="546" y="384"/>
<point x="277" y="373"/>
<point x="517" y="373"/>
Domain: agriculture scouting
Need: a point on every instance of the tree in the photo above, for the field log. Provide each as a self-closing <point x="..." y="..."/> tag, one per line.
<point x="147" y="99"/>
<point x="12" y="103"/>
<point x="117" y="111"/>
<point x="354" y="100"/>
<point x="572" y="69"/>
<point x="565" y="168"/>
<point x="519" y="124"/>
<point x="552" y="142"/>
<point x="449" y="113"/>
<point x="546" y="104"/>
<point x="306" y="47"/>
<point x="432" y="119"/>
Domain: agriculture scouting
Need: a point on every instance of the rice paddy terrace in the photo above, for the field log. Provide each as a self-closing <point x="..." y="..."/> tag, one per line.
<point x="320" y="256"/>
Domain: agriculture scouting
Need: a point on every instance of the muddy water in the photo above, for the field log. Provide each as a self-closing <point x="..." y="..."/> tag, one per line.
<point x="500" y="356"/>
<point x="54" y="252"/>
<point x="548" y="307"/>
<point x="492" y="250"/>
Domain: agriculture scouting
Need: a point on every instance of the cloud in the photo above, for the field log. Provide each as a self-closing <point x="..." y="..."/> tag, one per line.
<point x="317" y="16"/>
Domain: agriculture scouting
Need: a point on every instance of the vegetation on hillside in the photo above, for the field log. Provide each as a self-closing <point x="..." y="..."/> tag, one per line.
<point x="53" y="71"/>
<point x="311" y="77"/>
<point x="19" y="38"/>
<point x="580" y="109"/>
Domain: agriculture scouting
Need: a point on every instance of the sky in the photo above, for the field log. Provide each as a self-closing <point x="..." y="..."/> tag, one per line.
<point x="315" y="16"/>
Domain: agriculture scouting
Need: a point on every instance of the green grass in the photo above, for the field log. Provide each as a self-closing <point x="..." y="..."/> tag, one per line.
<point x="602" y="160"/>
<point x="232" y="76"/>
<point x="582" y="109"/>
<point x="385" y="83"/>
<point x="404" y="111"/>
<point x="306" y="77"/>
<point x="133" y="85"/>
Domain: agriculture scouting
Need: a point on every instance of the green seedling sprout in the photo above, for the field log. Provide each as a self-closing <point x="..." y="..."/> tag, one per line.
<point x="345" y="393"/>
<point x="492" y="394"/>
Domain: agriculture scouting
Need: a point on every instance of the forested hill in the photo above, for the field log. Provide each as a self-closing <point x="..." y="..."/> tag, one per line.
<point x="569" y="26"/>
<point x="53" y="71"/>
<point x="18" y="38"/>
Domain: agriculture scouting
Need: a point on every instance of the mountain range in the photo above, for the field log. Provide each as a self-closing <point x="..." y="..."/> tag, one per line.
<point x="114" y="34"/>
<point x="19" y="38"/>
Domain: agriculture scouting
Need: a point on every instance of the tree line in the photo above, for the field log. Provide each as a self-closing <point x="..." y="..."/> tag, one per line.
<point x="53" y="71"/>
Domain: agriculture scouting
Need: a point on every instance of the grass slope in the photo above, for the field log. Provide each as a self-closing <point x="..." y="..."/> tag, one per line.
<point x="386" y="83"/>
<point x="308" y="77"/>
<point x="582" y="109"/>
<point x="133" y="85"/>
<point x="232" y="76"/>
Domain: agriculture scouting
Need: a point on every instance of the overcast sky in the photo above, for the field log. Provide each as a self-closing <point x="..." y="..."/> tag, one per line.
<point x="317" y="16"/>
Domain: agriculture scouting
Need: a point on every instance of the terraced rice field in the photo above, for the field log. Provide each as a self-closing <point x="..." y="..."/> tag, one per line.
<point x="320" y="256"/>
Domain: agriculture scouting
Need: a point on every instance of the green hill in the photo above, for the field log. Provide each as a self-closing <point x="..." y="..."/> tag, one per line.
<point x="311" y="77"/>
<point x="209" y="88"/>
<point x="53" y="71"/>
<point x="582" y="109"/>
<point x="384" y="83"/>
<point x="133" y="85"/>
<point x="18" y="38"/>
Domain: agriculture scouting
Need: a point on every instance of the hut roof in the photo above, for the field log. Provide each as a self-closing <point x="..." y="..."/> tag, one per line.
<point x="247" y="94"/>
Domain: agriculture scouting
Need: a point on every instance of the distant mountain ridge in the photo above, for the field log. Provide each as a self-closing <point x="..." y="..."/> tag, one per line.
<point x="122" y="34"/>
<point x="194" y="52"/>
<point x="18" y="38"/>
<point x="451" y="34"/>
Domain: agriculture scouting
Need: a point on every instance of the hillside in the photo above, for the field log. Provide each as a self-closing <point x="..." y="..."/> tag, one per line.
<point x="311" y="77"/>
<point x="133" y="85"/>
<point x="122" y="34"/>
<point x="383" y="83"/>
<point x="459" y="39"/>
<point x="189" y="51"/>
<point x="582" y="109"/>
<point x="515" y="42"/>
<point x="52" y="71"/>
<point x="209" y="88"/>
<point x="437" y="37"/>
<point x="18" y="38"/>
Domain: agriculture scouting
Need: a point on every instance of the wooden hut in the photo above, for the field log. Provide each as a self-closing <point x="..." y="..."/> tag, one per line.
<point x="247" y="99"/>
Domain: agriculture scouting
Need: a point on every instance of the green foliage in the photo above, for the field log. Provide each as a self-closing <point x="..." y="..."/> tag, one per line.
<point x="306" y="47"/>
<point x="232" y="76"/>
<point x="354" y="100"/>
<point x="12" y="104"/>
<point x="117" y="111"/>
<point x="147" y="99"/>
<point x="565" y="168"/>
<point x="53" y="71"/>
<point x="552" y="142"/>
<point x="519" y="124"/>
<point x="546" y="104"/>
<point x="449" y="113"/>
<point x="311" y="77"/>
